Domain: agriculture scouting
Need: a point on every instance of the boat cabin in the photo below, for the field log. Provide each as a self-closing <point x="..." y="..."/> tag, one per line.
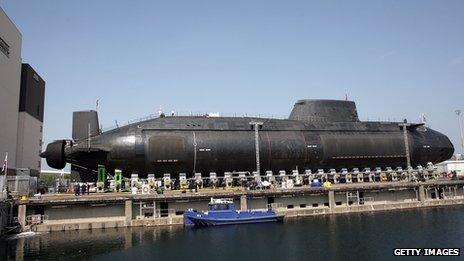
<point x="221" y="205"/>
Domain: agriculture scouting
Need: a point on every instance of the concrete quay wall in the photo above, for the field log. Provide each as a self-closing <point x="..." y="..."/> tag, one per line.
<point x="110" y="211"/>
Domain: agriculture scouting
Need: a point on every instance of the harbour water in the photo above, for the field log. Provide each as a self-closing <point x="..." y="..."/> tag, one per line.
<point x="363" y="236"/>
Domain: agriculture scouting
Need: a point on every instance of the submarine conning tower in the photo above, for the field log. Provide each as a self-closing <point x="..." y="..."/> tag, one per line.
<point x="324" y="111"/>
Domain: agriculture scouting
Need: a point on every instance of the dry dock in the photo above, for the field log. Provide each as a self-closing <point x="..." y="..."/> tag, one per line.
<point x="61" y="212"/>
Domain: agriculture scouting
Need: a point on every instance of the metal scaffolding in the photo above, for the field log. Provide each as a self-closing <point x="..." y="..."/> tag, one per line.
<point x="256" y="125"/>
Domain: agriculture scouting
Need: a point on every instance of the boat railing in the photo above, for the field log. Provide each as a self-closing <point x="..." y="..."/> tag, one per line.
<point x="221" y="201"/>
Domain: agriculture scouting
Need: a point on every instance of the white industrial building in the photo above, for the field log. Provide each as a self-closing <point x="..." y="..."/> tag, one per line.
<point x="454" y="164"/>
<point x="22" y="93"/>
<point x="10" y="80"/>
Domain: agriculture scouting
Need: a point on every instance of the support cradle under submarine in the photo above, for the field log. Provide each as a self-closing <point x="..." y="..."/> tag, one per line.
<point x="319" y="134"/>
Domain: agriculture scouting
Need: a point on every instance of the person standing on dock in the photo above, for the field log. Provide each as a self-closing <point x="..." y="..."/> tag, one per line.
<point x="190" y="185"/>
<point x="76" y="190"/>
<point x="83" y="188"/>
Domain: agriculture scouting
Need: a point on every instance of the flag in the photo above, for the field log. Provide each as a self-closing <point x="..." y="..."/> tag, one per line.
<point x="5" y="164"/>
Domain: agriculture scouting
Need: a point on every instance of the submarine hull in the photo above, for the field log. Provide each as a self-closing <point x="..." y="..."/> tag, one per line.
<point x="332" y="139"/>
<point x="189" y="151"/>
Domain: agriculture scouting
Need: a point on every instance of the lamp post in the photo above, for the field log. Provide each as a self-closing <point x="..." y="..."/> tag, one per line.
<point x="458" y="113"/>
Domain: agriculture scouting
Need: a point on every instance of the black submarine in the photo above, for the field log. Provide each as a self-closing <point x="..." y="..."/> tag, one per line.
<point x="318" y="134"/>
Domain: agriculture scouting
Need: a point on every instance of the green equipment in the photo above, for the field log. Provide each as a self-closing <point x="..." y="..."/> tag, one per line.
<point x="118" y="179"/>
<point x="101" y="178"/>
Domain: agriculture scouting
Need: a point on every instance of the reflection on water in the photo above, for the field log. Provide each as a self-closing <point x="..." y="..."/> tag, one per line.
<point x="364" y="236"/>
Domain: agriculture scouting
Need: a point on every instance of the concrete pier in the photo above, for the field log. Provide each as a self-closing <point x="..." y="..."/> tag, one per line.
<point x="243" y="202"/>
<point x="128" y="212"/>
<point x="105" y="210"/>
<point x="421" y="193"/>
<point x="331" y="200"/>
<point x="22" y="216"/>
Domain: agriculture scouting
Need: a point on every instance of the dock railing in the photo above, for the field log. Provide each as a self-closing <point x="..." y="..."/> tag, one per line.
<point x="448" y="195"/>
<point x="149" y="210"/>
<point x="157" y="213"/>
<point x="366" y="200"/>
<point x="165" y="212"/>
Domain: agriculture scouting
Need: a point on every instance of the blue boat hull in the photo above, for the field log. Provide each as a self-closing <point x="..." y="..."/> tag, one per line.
<point x="203" y="219"/>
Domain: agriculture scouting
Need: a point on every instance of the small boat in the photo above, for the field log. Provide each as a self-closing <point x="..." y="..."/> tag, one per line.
<point x="223" y="212"/>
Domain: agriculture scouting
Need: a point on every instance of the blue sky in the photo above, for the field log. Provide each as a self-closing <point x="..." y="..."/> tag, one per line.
<point x="396" y="59"/>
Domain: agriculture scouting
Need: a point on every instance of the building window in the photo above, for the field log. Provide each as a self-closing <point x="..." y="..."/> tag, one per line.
<point x="4" y="47"/>
<point x="41" y="129"/>
<point x="36" y="77"/>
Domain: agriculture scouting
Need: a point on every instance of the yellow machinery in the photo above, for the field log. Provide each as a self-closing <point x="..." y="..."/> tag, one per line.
<point x="383" y="177"/>
<point x="327" y="184"/>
